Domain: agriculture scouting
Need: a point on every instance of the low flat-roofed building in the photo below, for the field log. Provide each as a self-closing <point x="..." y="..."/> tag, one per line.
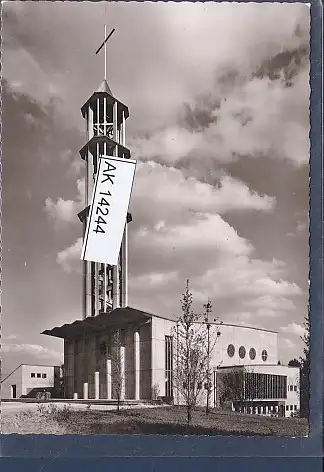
<point x="258" y="389"/>
<point x="26" y="380"/>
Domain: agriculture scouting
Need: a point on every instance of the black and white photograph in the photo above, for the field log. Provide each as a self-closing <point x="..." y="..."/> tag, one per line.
<point x="155" y="228"/>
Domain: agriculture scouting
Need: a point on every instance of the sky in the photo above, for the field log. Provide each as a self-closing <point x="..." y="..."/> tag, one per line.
<point x="219" y="98"/>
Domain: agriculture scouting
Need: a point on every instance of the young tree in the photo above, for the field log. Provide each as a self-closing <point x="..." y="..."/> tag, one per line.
<point x="192" y="354"/>
<point x="305" y="371"/>
<point x="231" y="386"/>
<point x="117" y="367"/>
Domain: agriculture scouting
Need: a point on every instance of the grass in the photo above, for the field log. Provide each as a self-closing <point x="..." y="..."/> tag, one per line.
<point x="162" y="420"/>
<point x="172" y="420"/>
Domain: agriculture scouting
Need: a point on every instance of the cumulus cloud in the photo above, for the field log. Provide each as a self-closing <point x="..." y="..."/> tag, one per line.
<point x="242" y="276"/>
<point x="288" y="343"/>
<point x="255" y="117"/>
<point x="171" y="193"/>
<point x="31" y="349"/>
<point x="153" y="280"/>
<point x="69" y="258"/>
<point x="207" y="232"/>
<point x="9" y="337"/>
<point x="301" y="228"/>
<point x="65" y="211"/>
<point x="293" y="328"/>
<point x="270" y="302"/>
<point x="179" y="63"/>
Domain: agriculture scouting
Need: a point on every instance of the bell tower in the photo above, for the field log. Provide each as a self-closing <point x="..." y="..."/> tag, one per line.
<point x="104" y="286"/>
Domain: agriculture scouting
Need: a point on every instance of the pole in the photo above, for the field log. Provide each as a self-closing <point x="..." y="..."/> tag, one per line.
<point x="105" y="52"/>
<point x="208" y="368"/>
<point x="208" y="325"/>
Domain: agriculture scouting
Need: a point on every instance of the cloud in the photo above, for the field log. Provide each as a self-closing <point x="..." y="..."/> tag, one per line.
<point x="174" y="217"/>
<point x="294" y="328"/>
<point x="242" y="276"/>
<point x="9" y="337"/>
<point x="69" y="258"/>
<point x="205" y="233"/>
<point x="301" y="228"/>
<point x="155" y="280"/>
<point x="65" y="211"/>
<point x="256" y="117"/>
<point x="243" y="318"/>
<point x="31" y="349"/>
<point x="288" y="343"/>
<point x="171" y="193"/>
<point x="179" y="63"/>
<point x="272" y="303"/>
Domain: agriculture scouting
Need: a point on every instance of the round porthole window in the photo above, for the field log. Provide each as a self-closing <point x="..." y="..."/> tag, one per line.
<point x="252" y="353"/>
<point x="231" y="350"/>
<point x="242" y="352"/>
<point x="264" y="355"/>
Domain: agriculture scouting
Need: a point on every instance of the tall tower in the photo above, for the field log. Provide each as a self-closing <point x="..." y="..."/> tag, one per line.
<point x="104" y="286"/>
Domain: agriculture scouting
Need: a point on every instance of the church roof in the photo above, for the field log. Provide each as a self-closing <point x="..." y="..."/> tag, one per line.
<point x="116" y="318"/>
<point x="119" y="317"/>
<point x="104" y="87"/>
<point x="104" y="90"/>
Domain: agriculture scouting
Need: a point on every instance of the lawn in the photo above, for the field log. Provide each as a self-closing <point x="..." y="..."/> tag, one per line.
<point x="162" y="420"/>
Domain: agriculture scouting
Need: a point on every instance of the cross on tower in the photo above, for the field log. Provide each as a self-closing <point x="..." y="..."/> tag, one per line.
<point x="104" y="45"/>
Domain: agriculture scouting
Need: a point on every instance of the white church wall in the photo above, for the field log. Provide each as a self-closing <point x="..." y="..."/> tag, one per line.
<point x="259" y="340"/>
<point x="293" y="390"/>
<point x="146" y="352"/>
<point x="160" y="329"/>
<point x="248" y="338"/>
<point x="15" y="378"/>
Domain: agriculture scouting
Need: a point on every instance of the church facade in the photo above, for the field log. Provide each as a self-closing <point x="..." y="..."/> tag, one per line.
<point x="142" y="361"/>
<point x="147" y="356"/>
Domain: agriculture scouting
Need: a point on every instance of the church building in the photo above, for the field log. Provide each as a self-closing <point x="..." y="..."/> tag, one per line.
<point x="143" y="358"/>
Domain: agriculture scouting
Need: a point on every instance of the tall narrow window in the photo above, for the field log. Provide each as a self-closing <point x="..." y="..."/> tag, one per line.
<point x="168" y="366"/>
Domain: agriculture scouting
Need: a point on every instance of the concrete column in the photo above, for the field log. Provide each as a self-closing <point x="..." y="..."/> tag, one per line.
<point x="75" y="396"/>
<point x="108" y="370"/>
<point x="115" y="126"/>
<point x="124" y="130"/>
<point x="97" y="267"/>
<point x="90" y="168"/>
<point x="96" y="384"/>
<point x="69" y="367"/>
<point x="85" y="390"/>
<point x="116" y="301"/>
<point x="124" y="265"/>
<point x="122" y="371"/>
<point x="137" y="364"/>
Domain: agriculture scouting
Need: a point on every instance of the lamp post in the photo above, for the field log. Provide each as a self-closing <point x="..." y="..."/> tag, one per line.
<point x="208" y="308"/>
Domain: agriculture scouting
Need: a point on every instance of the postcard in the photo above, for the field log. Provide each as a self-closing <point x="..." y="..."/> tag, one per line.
<point x="171" y="142"/>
